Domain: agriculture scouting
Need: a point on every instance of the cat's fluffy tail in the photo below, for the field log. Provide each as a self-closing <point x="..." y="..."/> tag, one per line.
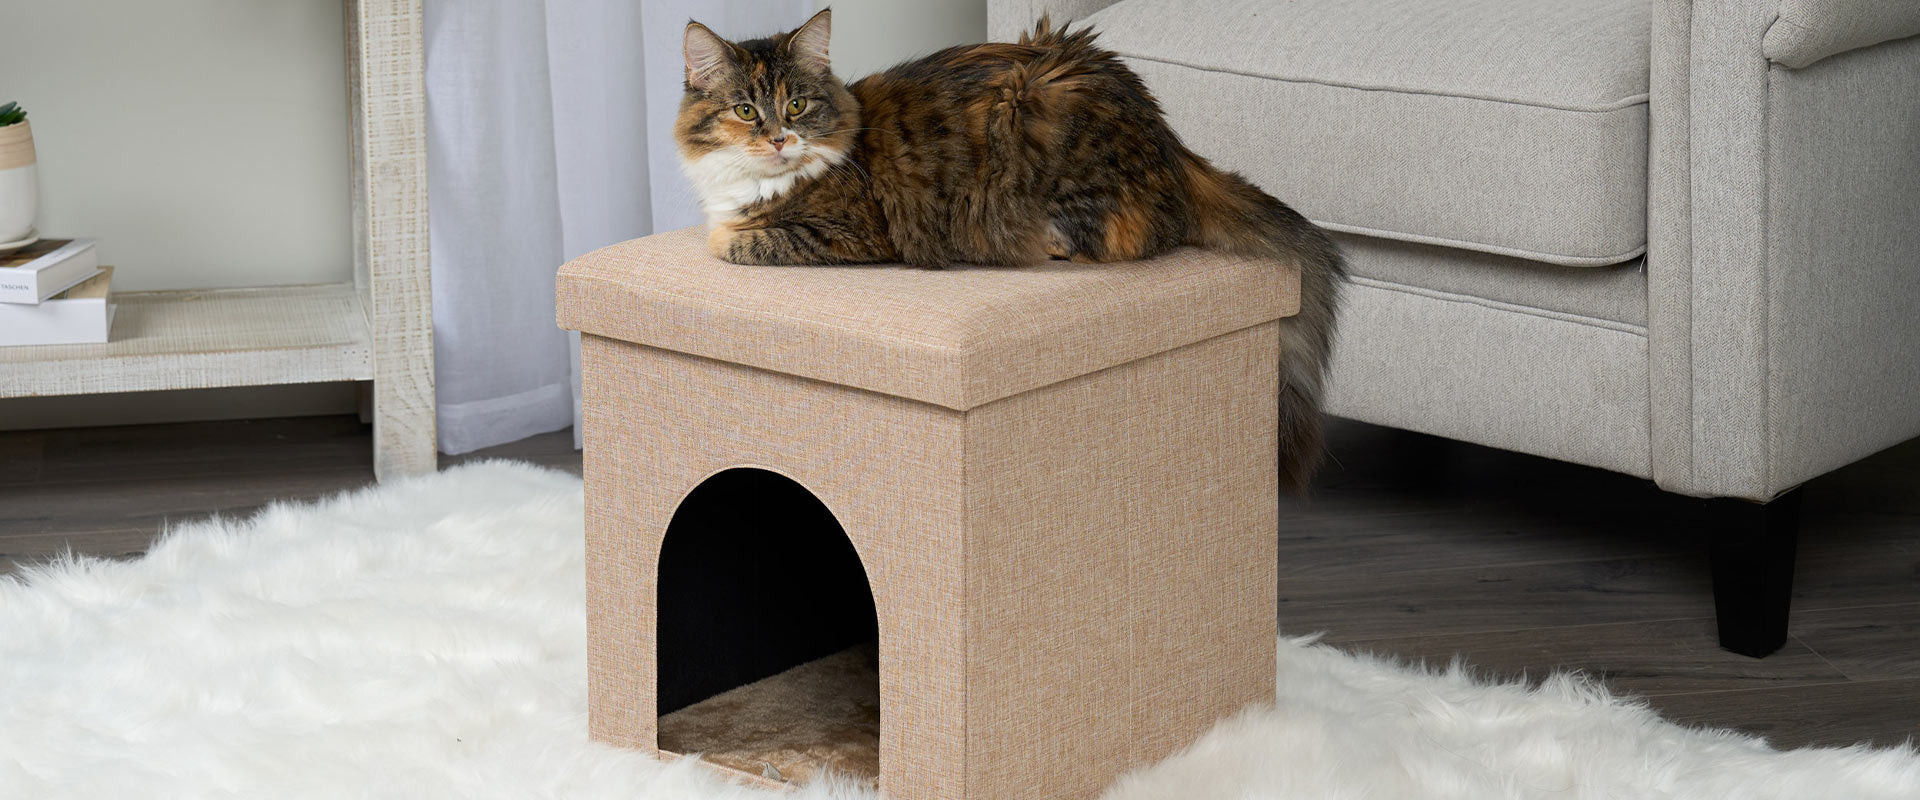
<point x="1234" y="215"/>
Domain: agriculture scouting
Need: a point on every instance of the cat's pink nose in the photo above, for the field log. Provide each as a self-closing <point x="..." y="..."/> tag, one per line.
<point x="778" y="142"/>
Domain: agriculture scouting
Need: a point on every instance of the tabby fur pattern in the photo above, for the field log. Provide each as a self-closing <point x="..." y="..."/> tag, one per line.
<point x="997" y="153"/>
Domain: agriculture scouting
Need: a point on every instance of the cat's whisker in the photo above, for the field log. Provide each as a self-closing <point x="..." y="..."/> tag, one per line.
<point x="843" y="166"/>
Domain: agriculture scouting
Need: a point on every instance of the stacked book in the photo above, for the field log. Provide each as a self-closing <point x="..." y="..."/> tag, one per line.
<point x="54" y="292"/>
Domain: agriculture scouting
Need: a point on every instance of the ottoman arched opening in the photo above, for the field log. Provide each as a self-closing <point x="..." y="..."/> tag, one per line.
<point x="1060" y="480"/>
<point x="767" y="632"/>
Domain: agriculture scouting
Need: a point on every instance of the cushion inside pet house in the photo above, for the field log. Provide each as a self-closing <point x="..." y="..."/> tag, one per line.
<point x="976" y="532"/>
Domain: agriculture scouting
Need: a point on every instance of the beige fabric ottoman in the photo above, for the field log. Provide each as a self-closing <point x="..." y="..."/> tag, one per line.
<point x="1048" y="492"/>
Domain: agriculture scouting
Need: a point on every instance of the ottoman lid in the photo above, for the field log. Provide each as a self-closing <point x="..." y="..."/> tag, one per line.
<point x="957" y="337"/>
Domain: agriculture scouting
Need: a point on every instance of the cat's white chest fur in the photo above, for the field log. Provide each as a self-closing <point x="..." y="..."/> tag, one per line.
<point x="728" y="180"/>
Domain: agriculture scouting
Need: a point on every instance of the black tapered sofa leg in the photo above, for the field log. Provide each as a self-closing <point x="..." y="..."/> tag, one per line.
<point x="1752" y="548"/>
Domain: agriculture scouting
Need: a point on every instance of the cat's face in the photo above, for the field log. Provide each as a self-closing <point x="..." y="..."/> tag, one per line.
<point x="764" y="108"/>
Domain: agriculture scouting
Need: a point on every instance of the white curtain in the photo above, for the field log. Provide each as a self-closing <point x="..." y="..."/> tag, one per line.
<point x="549" y="134"/>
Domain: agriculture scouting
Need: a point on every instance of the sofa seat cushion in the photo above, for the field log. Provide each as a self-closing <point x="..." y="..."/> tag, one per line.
<point x="1516" y="127"/>
<point x="1516" y="354"/>
<point x="1610" y="296"/>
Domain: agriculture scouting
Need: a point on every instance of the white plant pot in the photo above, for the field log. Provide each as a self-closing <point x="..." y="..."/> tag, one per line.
<point x="19" y="182"/>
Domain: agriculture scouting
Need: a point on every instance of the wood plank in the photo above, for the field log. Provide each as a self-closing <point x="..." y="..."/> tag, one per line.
<point x="22" y="456"/>
<point x="1409" y="535"/>
<point x="113" y="544"/>
<point x="386" y="67"/>
<point x="148" y="504"/>
<point x="204" y="449"/>
<point x="1882" y="713"/>
<point x="1387" y="497"/>
<point x="140" y="477"/>
<point x="554" y="450"/>
<point x="1378" y="537"/>
<point x="203" y="339"/>
<point x="19" y="554"/>
<point x="1497" y="598"/>
<point x="1513" y="592"/>
<point x="1420" y="559"/>
<point x="1863" y="571"/>
<point x="1879" y="642"/>
<point x="1638" y="658"/>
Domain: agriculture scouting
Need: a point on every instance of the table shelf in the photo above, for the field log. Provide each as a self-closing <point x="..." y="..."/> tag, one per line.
<point x="205" y="339"/>
<point x="379" y="328"/>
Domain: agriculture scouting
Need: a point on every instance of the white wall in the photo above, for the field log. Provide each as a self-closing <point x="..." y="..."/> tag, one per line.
<point x="871" y="35"/>
<point x="204" y="142"/>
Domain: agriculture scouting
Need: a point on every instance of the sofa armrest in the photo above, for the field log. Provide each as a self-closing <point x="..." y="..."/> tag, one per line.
<point x="1782" y="240"/>
<point x="1809" y="30"/>
<point x="1006" y="19"/>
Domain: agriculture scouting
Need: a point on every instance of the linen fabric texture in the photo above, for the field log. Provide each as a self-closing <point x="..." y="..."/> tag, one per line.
<point x="1506" y="126"/>
<point x="1765" y="338"/>
<point x="1071" y="543"/>
<point x="1613" y="294"/>
<point x="1809" y="30"/>
<point x="958" y="337"/>
<point x="1781" y="286"/>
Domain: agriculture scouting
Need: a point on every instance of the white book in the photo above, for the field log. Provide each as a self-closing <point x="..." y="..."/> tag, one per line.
<point x="80" y="315"/>
<point x="46" y="268"/>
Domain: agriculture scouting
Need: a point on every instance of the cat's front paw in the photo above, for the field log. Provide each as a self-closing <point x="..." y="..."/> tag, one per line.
<point x="720" y="241"/>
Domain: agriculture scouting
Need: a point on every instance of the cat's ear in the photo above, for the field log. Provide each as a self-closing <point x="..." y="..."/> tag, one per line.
<point x="707" y="55"/>
<point x="808" y="45"/>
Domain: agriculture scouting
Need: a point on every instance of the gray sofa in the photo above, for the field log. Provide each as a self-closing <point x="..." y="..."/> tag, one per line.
<point x="1679" y="240"/>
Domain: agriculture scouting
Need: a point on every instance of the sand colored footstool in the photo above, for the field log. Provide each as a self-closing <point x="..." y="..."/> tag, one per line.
<point x="985" y="533"/>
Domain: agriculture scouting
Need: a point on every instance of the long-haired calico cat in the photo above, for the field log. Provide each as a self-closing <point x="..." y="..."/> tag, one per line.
<point x="986" y="154"/>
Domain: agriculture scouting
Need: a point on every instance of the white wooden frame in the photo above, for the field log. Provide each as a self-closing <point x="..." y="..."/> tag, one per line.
<point x="379" y="328"/>
<point x="386" y="59"/>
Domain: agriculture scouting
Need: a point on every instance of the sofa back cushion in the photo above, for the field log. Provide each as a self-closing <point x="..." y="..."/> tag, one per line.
<point x="1516" y="127"/>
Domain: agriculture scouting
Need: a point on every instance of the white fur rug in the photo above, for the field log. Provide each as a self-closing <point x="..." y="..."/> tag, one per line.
<point x="424" y="639"/>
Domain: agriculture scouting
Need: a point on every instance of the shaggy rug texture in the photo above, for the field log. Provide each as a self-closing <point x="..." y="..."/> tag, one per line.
<point x="424" y="639"/>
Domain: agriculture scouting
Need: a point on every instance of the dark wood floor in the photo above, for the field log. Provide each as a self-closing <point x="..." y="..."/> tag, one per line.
<point x="1412" y="546"/>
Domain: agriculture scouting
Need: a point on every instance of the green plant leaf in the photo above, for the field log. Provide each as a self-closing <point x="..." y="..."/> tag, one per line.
<point x="12" y="113"/>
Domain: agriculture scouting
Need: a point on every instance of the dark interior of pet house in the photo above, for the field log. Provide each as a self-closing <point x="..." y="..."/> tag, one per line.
<point x="768" y="637"/>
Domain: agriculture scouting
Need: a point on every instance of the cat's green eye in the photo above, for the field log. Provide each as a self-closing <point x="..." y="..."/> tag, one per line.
<point x="795" y="106"/>
<point x="746" y="112"/>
